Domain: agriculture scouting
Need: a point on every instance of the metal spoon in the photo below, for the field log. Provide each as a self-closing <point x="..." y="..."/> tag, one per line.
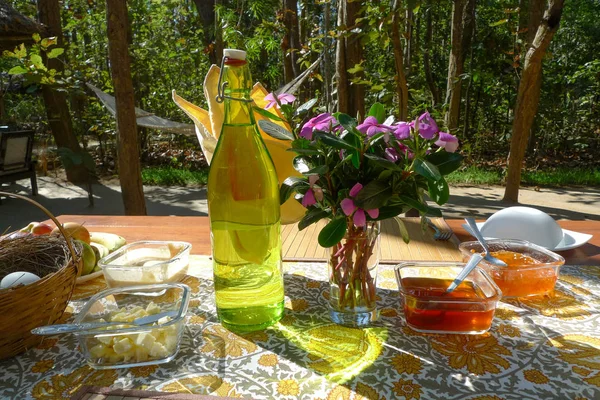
<point x="488" y="257"/>
<point x="473" y="261"/>
<point x="87" y="326"/>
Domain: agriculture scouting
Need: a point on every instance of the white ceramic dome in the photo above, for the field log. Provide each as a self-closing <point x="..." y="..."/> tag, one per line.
<point x="524" y="223"/>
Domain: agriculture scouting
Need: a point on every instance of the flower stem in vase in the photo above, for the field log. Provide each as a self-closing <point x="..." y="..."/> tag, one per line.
<point x="353" y="271"/>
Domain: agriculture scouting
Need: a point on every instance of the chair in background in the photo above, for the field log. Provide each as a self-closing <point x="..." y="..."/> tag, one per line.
<point x="16" y="148"/>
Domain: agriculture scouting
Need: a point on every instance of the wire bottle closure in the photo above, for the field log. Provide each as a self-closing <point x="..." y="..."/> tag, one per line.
<point x="221" y="87"/>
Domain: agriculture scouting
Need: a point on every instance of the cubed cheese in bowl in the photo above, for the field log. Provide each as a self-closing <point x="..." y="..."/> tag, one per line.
<point x="127" y="345"/>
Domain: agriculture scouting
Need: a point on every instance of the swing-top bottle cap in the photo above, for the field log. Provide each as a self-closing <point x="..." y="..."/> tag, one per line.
<point x="235" y="54"/>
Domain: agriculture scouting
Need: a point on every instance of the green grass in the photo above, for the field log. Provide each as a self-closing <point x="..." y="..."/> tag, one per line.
<point x="169" y="176"/>
<point x="472" y="175"/>
<point x="558" y="177"/>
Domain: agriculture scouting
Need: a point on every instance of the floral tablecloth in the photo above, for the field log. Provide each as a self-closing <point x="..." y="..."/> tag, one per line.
<point x="544" y="348"/>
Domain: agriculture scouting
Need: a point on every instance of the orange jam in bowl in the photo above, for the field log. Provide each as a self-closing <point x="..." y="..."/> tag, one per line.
<point x="469" y="309"/>
<point x="531" y="270"/>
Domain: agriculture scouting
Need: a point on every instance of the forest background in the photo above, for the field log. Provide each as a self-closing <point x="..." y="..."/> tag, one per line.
<point x="404" y="54"/>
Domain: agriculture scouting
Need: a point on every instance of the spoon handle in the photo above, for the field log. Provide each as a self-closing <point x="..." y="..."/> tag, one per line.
<point x="477" y="233"/>
<point x="473" y="261"/>
<point x="69" y="328"/>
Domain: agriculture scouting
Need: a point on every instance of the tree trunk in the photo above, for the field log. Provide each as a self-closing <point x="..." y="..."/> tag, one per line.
<point x="326" y="64"/>
<point x="408" y="53"/>
<point x="351" y="97"/>
<point x="463" y="21"/>
<point x="130" y="173"/>
<point x="212" y="38"/>
<point x="401" y="85"/>
<point x="57" y="107"/>
<point x="291" y="40"/>
<point x="435" y="93"/>
<point x="528" y="97"/>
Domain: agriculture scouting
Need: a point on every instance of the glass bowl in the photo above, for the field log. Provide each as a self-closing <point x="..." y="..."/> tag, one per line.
<point x="146" y="262"/>
<point x="532" y="270"/>
<point x="469" y="309"/>
<point x="124" y="346"/>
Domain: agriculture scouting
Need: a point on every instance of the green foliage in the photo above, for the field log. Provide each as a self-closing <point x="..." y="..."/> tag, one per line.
<point x="168" y="52"/>
<point x="170" y="176"/>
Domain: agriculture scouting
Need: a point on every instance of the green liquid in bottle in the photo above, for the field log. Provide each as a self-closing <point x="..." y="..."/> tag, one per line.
<point x="243" y="202"/>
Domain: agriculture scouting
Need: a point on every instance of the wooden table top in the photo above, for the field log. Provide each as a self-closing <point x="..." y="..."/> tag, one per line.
<point x="196" y="230"/>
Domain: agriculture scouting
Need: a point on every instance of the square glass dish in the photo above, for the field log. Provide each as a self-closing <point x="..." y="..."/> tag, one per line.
<point x="469" y="309"/>
<point x="127" y="345"/>
<point x="532" y="270"/>
<point x="145" y="263"/>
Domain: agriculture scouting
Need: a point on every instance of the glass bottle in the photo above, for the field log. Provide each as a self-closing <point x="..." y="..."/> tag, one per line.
<point x="243" y="204"/>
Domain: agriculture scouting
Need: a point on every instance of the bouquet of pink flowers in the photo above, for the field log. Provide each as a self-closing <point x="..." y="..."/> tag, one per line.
<point x="357" y="172"/>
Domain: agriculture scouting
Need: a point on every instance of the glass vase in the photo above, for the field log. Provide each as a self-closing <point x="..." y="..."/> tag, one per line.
<point x="353" y="264"/>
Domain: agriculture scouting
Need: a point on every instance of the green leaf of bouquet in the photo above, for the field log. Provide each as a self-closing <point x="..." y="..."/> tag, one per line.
<point x="274" y="130"/>
<point x="378" y="111"/>
<point x="403" y="231"/>
<point x="318" y="170"/>
<point x="306" y="106"/>
<point x="289" y="186"/>
<point x="387" y="212"/>
<point x="308" y="152"/>
<point x="382" y="162"/>
<point x="414" y="203"/>
<point x="427" y="169"/>
<point x="445" y="162"/>
<point x="333" y="232"/>
<point x="376" y="138"/>
<point x="313" y="215"/>
<point x="333" y="141"/>
<point x="434" y="212"/>
<point x="266" y="113"/>
<point x="287" y="109"/>
<point x="346" y="121"/>
<point x="374" y="195"/>
<point x="439" y="191"/>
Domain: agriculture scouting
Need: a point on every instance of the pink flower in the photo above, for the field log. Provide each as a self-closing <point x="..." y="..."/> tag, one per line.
<point x="314" y="193"/>
<point x="309" y="198"/>
<point x="349" y="208"/>
<point x="284" y="98"/>
<point x="322" y="122"/>
<point x="427" y="126"/>
<point x="448" y="142"/>
<point x="371" y="127"/>
<point x="402" y="130"/>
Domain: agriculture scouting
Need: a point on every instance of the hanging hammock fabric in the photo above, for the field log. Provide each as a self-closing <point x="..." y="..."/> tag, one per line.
<point x="144" y="118"/>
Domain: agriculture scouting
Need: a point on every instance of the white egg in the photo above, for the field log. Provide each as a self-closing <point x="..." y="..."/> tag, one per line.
<point x="524" y="223"/>
<point x="18" y="278"/>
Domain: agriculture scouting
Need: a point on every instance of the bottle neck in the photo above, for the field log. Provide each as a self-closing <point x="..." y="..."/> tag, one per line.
<point x="239" y="85"/>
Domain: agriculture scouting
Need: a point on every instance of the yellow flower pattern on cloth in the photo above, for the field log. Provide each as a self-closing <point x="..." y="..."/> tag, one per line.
<point x="288" y="387"/>
<point x="478" y="354"/>
<point x="535" y="376"/>
<point x="583" y="351"/>
<point x="542" y="347"/>
<point x="42" y="366"/>
<point x="559" y="305"/>
<point x="407" y="389"/>
<point x="207" y="385"/>
<point x="222" y="343"/>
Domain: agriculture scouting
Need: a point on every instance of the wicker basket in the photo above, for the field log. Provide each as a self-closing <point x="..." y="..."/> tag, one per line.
<point x="40" y="303"/>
